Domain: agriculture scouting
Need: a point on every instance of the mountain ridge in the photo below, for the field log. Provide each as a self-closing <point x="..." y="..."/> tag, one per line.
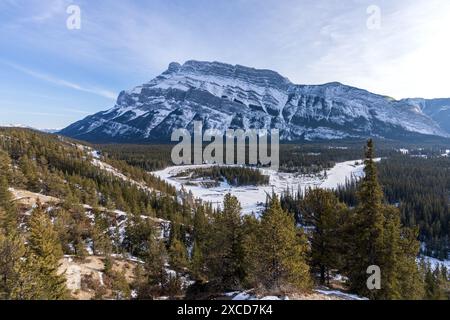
<point x="233" y="96"/>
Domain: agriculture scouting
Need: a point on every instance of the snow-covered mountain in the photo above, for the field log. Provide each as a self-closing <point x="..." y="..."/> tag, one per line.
<point x="226" y="96"/>
<point x="436" y="109"/>
<point x="23" y="126"/>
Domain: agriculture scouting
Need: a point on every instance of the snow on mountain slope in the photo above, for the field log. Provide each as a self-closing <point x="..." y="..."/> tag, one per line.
<point x="18" y="125"/>
<point x="436" y="109"/>
<point x="226" y="96"/>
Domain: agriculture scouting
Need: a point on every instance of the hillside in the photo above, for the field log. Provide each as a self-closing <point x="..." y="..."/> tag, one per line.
<point x="93" y="203"/>
<point x="75" y="223"/>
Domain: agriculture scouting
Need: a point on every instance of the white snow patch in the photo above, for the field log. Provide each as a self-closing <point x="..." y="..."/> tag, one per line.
<point x="436" y="262"/>
<point x="115" y="172"/>
<point x="100" y="277"/>
<point x="340" y="294"/>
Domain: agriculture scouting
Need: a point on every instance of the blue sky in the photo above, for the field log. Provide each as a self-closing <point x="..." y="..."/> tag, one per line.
<point x="51" y="76"/>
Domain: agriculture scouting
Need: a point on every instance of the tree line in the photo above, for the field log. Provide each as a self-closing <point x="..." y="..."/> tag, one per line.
<point x="235" y="176"/>
<point x="419" y="187"/>
<point x="347" y="240"/>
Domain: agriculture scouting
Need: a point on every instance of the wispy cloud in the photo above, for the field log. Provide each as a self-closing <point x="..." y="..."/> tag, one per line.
<point x="52" y="9"/>
<point x="63" y="83"/>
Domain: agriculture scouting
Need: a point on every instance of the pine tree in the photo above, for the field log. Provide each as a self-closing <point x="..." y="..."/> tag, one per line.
<point x="282" y="250"/>
<point x="108" y="263"/>
<point x="377" y="238"/>
<point x="5" y="195"/>
<point x="178" y="255"/>
<point x="150" y="280"/>
<point x="410" y="276"/>
<point x="5" y="166"/>
<point x="8" y="211"/>
<point x="200" y="224"/>
<point x="225" y="255"/>
<point x="137" y="232"/>
<point x="101" y="243"/>
<point x="368" y="227"/>
<point x="12" y="251"/>
<point x="120" y="287"/>
<point x="434" y="283"/>
<point x="200" y="244"/>
<point x="322" y="213"/>
<point x="197" y="265"/>
<point x="43" y="258"/>
<point x="80" y="249"/>
<point x="29" y="170"/>
<point x="389" y="258"/>
<point x="250" y="242"/>
<point x="173" y="286"/>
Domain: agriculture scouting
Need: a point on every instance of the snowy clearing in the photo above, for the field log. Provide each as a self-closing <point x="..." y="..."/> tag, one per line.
<point x="252" y="198"/>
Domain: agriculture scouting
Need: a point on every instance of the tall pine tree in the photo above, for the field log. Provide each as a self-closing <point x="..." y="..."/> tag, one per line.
<point x="43" y="258"/>
<point x="282" y="251"/>
<point x="322" y="213"/>
<point x="225" y="255"/>
<point x="377" y="238"/>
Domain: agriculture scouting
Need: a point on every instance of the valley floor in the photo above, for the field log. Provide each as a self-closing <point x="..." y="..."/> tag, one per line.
<point x="252" y="198"/>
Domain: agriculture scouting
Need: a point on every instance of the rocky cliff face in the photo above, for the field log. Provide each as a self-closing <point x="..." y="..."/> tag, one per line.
<point x="226" y="96"/>
<point x="436" y="109"/>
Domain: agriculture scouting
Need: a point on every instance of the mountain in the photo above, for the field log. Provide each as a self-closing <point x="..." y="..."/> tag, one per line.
<point x="18" y="125"/>
<point x="436" y="109"/>
<point x="226" y="96"/>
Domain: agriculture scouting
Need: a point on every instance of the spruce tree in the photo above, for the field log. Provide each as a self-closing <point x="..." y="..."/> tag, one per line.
<point x="434" y="283"/>
<point x="197" y="265"/>
<point x="178" y="255"/>
<point x="12" y="252"/>
<point x="12" y="245"/>
<point x="410" y="276"/>
<point x="200" y="224"/>
<point x="43" y="258"/>
<point x="5" y="166"/>
<point x="322" y="213"/>
<point x="225" y="255"/>
<point x="377" y="238"/>
<point x="120" y="287"/>
<point x="173" y="286"/>
<point x="5" y="195"/>
<point x="250" y="242"/>
<point x="368" y="227"/>
<point x="154" y="276"/>
<point x="8" y="211"/>
<point x="282" y="251"/>
<point x="389" y="257"/>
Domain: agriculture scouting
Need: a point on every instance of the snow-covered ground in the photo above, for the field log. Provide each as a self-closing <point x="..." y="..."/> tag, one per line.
<point x="435" y="262"/>
<point x="252" y="198"/>
<point x="317" y="294"/>
<point x="340" y="294"/>
<point x="115" y="172"/>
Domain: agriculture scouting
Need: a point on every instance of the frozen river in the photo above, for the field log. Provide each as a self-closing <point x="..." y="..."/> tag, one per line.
<point x="252" y="198"/>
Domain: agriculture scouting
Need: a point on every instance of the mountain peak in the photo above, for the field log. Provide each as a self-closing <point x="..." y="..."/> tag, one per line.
<point x="173" y="67"/>
<point x="234" y="96"/>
